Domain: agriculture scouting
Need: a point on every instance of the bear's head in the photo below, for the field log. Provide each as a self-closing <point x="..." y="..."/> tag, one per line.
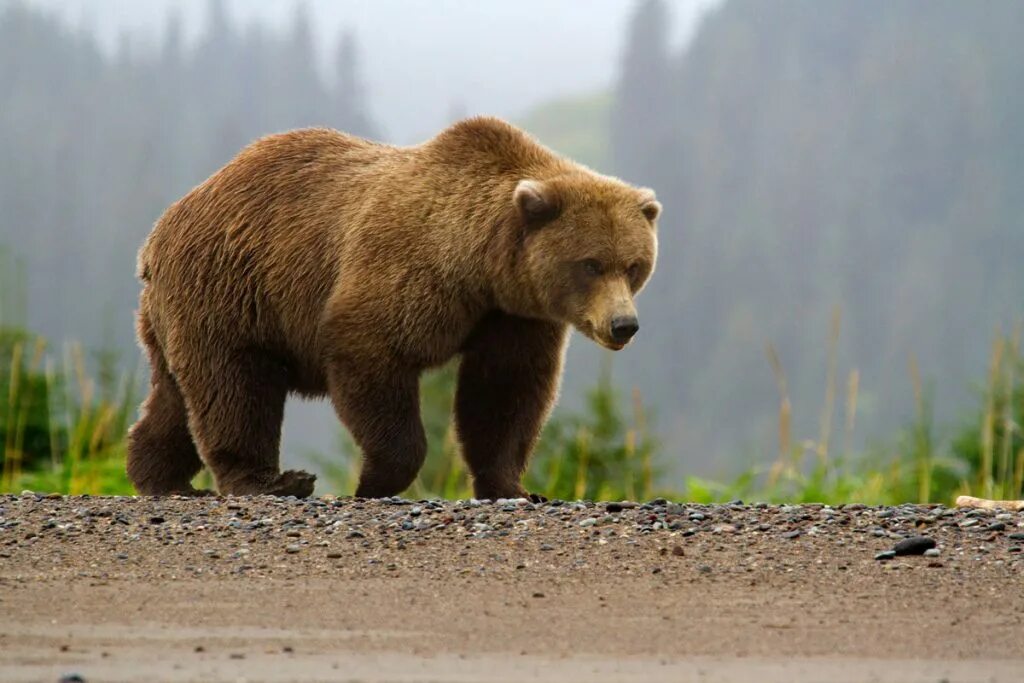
<point x="589" y="247"/>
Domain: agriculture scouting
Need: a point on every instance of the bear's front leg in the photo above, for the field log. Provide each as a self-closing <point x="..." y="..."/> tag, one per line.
<point x="508" y="381"/>
<point x="380" y="406"/>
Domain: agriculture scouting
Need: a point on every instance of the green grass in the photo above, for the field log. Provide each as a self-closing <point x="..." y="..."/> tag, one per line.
<point x="62" y="429"/>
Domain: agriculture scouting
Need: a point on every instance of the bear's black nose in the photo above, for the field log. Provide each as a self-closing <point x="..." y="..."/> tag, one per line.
<point x="624" y="327"/>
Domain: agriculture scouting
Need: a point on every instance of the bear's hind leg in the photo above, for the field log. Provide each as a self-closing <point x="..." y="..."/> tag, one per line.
<point x="236" y="407"/>
<point x="162" y="458"/>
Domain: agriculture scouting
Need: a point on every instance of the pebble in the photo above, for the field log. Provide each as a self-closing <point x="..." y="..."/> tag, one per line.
<point x="886" y="555"/>
<point x="795" y="533"/>
<point x="71" y="678"/>
<point x="915" y="545"/>
<point x="932" y="552"/>
<point x="292" y="549"/>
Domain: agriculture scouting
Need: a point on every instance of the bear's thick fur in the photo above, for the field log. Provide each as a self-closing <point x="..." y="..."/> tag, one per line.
<point x="319" y="263"/>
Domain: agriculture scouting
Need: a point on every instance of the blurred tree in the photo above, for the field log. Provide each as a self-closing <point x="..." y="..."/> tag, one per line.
<point x="641" y="114"/>
<point x="349" y="94"/>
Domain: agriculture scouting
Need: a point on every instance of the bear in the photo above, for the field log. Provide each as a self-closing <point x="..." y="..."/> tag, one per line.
<point x="320" y="264"/>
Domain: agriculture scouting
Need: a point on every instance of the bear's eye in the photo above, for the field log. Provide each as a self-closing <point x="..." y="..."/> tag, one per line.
<point x="593" y="267"/>
<point x="633" y="272"/>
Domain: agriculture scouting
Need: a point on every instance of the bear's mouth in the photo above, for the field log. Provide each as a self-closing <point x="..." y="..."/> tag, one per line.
<point x="590" y="332"/>
<point x="613" y="346"/>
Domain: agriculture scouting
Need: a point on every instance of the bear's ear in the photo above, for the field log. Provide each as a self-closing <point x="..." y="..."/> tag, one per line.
<point x="649" y="205"/>
<point x="537" y="203"/>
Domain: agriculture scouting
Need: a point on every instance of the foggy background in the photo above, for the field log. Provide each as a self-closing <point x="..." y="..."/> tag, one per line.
<point x="812" y="156"/>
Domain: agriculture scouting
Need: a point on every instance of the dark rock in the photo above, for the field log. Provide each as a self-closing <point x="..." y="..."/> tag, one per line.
<point x="885" y="555"/>
<point x="1017" y="536"/>
<point x="996" y="526"/>
<point x="71" y="678"/>
<point x="915" y="545"/>
<point x="613" y="507"/>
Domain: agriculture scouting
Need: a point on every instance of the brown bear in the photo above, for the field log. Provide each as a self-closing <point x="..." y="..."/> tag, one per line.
<point x="319" y="263"/>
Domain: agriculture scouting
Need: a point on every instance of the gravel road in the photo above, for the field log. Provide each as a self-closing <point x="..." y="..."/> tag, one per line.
<point x="265" y="589"/>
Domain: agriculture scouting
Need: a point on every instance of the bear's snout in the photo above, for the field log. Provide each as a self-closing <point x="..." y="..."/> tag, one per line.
<point x="624" y="327"/>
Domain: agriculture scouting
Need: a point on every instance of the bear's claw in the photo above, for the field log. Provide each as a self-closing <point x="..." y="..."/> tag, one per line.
<point x="293" y="483"/>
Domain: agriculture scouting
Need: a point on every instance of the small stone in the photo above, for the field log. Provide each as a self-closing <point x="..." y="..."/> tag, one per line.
<point x="71" y="678"/>
<point x="1016" y="536"/>
<point x="932" y="552"/>
<point x="538" y="594"/>
<point x="292" y="549"/>
<point x="678" y="551"/>
<point x="294" y="533"/>
<point x="915" y="545"/>
<point x="333" y="555"/>
<point x="545" y="547"/>
<point x="156" y="519"/>
<point x="885" y="555"/>
<point x="996" y="526"/>
<point x="355" y="533"/>
<point x="613" y="507"/>
<point x="795" y="533"/>
<point x="590" y="521"/>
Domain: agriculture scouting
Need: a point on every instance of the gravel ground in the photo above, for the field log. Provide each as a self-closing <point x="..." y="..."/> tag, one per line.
<point x="185" y="589"/>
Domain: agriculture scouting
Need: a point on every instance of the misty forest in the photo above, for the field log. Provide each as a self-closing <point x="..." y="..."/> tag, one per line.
<point x="840" y="270"/>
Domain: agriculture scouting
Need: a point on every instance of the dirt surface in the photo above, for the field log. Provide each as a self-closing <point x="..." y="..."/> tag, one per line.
<point x="264" y="589"/>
